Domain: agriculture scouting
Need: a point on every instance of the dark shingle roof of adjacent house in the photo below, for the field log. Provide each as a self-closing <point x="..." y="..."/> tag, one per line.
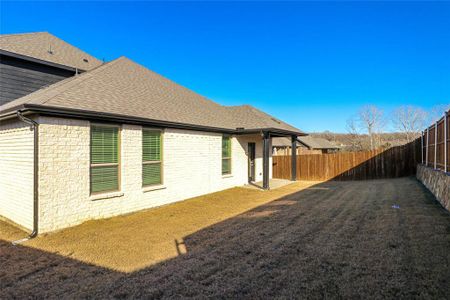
<point x="123" y="87"/>
<point x="46" y="47"/>
<point x="308" y="141"/>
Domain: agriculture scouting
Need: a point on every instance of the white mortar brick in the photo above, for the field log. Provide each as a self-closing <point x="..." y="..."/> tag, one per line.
<point x="16" y="172"/>
<point x="192" y="167"/>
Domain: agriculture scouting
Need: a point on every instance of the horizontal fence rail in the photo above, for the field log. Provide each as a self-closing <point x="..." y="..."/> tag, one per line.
<point x="376" y="164"/>
<point x="435" y="142"/>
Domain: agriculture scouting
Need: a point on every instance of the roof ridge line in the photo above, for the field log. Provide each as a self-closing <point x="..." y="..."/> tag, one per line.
<point x="76" y="47"/>
<point x="24" y="33"/>
<point x="85" y="77"/>
<point x="255" y="112"/>
<point x="171" y="80"/>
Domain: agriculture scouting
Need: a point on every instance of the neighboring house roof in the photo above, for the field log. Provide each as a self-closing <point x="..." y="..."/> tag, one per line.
<point x="316" y="143"/>
<point x="308" y="141"/>
<point x="123" y="87"/>
<point x="47" y="47"/>
<point x="281" y="142"/>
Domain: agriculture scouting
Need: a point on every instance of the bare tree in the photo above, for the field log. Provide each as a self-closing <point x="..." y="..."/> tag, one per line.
<point x="409" y="120"/>
<point x="355" y="136"/>
<point x="371" y="118"/>
<point x="437" y="112"/>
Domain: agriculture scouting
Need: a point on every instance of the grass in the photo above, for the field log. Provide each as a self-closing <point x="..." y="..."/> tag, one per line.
<point x="329" y="240"/>
<point x="134" y="241"/>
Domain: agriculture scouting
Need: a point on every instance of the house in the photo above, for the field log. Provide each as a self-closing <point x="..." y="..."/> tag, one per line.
<point x="81" y="139"/>
<point x="32" y="61"/>
<point x="305" y="145"/>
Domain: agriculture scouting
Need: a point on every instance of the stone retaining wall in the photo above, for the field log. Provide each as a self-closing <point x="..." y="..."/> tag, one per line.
<point x="437" y="182"/>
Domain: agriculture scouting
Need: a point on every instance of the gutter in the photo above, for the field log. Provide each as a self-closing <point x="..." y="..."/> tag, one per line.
<point x="39" y="61"/>
<point x="35" y="127"/>
<point x="110" y="117"/>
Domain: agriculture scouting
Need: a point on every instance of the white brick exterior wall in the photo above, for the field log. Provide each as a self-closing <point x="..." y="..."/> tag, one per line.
<point x="16" y="172"/>
<point x="191" y="167"/>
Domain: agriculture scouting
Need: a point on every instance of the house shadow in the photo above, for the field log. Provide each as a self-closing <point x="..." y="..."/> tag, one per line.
<point x="310" y="243"/>
<point x="30" y="272"/>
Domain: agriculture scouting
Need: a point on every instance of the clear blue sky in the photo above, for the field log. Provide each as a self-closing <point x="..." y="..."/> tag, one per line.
<point x="312" y="64"/>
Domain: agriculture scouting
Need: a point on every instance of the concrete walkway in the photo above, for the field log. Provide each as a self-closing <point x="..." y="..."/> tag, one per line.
<point x="274" y="183"/>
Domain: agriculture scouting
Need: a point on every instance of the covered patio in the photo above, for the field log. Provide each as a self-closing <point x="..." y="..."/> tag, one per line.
<point x="267" y="135"/>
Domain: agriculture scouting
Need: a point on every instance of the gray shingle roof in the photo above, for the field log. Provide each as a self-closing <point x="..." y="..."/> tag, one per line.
<point x="281" y="142"/>
<point x="317" y="143"/>
<point x="47" y="47"/>
<point x="125" y="88"/>
<point x="249" y="117"/>
<point x="309" y="141"/>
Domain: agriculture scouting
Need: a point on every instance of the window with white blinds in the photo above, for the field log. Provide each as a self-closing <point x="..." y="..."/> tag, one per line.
<point x="226" y="155"/>
<point x="104" y="175"/>
<point x="151" y="157"/>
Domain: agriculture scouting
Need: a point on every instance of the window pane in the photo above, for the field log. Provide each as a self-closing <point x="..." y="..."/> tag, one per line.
<point x="226" y="147"/>
<point x="226" y="166"/>
<point x="151" y="145"/>
<point x="151" y="174"/>
<point x="104" y="145"/>
<point x="104" y="179"/>
<point x="226" y="155"/>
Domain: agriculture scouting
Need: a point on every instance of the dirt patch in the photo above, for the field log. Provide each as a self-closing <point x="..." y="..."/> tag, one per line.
<point x="334" y="240"/>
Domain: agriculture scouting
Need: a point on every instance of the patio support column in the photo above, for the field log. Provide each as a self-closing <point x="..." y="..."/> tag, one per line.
<point x="293" y="157"/>
<point x="266" y="150"/>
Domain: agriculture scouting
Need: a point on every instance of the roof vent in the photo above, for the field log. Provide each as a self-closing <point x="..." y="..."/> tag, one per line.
<point x="50" y="51"/>
<point x="85" y="60"/>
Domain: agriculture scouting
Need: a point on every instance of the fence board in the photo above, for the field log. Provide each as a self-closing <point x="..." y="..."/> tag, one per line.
<point x="448" y="142"/>
<point x="436" y="144"/>
<point x="376" y="164"/>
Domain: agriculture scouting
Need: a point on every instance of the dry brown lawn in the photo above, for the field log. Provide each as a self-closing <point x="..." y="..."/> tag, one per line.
<point x="134" y="241"/>
<point x="333" y="240"/>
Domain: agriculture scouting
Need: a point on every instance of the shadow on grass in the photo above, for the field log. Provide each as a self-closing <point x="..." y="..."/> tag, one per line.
<point x="335" y="239"/>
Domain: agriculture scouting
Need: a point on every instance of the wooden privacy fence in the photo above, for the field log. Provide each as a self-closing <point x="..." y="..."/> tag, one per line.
<point x="436" y="143"/>
<point x="394" y="162"/>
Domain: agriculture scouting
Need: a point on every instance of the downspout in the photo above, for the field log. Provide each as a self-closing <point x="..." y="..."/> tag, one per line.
<point x="35" y="127"/>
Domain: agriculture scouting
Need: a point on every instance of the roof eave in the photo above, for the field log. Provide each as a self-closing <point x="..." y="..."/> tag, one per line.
<point x="303" y="143"/>
<point x="40" y="61"/>
<point x="107" y="117"/>
<point x="274" y="132"/>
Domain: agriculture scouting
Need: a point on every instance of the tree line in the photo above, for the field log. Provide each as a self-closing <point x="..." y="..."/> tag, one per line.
<point x="366" y="130"/>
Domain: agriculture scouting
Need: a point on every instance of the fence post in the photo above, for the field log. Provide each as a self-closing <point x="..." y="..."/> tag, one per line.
<point x="427" y="148"/>
<point x="445" y="142"/>
<point x="293" y="158"/>
<point x="421" y="146"/>
<point x="435" y="144"/>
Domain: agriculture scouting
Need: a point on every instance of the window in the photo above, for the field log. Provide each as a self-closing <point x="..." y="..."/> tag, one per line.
<point x="151" y="157"/>
<point x="226" y="155"/>
<point x="104" y="158"/>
